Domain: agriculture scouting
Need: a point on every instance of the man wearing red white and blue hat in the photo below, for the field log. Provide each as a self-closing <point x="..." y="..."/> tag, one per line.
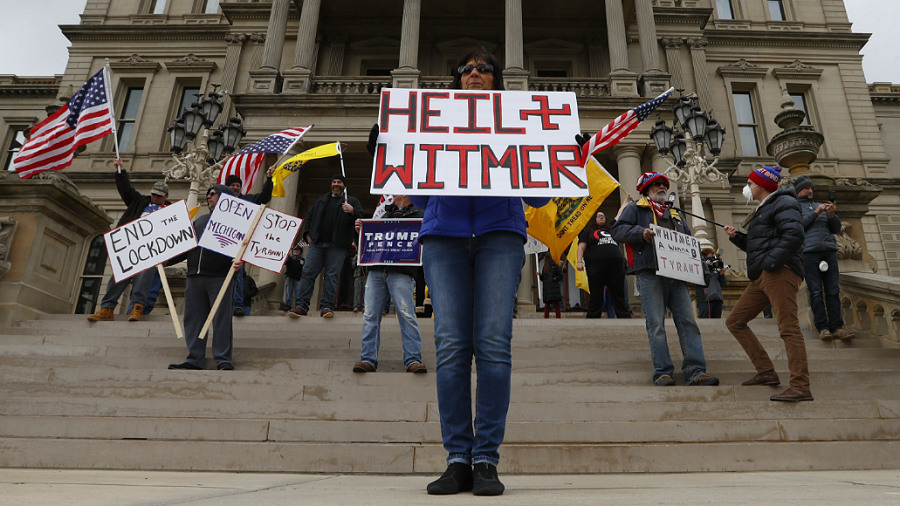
<point x="660" y="293"/>
<point x="773" y="243"/>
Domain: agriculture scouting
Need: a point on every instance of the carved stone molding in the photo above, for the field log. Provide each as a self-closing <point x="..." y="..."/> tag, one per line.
<point x="742" y="68"/>
<point x="672" y="42"/>
<point x="135" y="63"/>
<point x="797" y="70"/>
<point x="191" y="63"/>
<point x="698" y="43"/>
<point x="8" y="226"/>
<point x="847" y="247"/>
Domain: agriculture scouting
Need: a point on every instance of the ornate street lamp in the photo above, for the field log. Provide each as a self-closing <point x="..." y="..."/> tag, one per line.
<point x="690" y="167"/>
<point x="200" y="160"/>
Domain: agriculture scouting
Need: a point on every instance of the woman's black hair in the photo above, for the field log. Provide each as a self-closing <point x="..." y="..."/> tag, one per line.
<point x="479" y="55"/>
<point x="593" y="224"/>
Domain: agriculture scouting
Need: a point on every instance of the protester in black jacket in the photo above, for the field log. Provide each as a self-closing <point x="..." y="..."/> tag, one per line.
<point x="329" y="233"/>
<point x="137" y="205"/>
<point x="234" y="182"/>
<point x="206" y="273"/>
<point x="773" y="242"/>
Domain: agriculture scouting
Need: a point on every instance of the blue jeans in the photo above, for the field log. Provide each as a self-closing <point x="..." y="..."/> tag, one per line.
<point x="291" y="291"/>
<point x="318" y="256"/>
<point x="827" y="312"/>
<point x="473" y="284"/>
<point x="379" y="284"/>
<point x="140" y="289"/>
<point x="657" y="294"/>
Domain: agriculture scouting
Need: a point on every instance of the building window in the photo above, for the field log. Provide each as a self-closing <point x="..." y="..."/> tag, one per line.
<point x="211" y="7"/>
<point x="92" y="277"/>
<point x="128" y="115"/>
<point x="724" y="10"/>
<point x="188" y="97"/>
<point x="746" y="119"/>
<point x="157" y="7"/>
<point x="800" y="104"/>
<point x="15" y="144"/>
<point x="560" y="74"/>
<point x="776" y="10"/>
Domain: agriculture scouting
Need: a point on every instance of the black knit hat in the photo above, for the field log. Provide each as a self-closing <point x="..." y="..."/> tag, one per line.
<point x="233" y="178"/>
<point x="802" y="183"/>
<point x="339" y="177"/>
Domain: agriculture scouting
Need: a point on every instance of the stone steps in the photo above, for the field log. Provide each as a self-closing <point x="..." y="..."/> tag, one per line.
<point x="75" y="394"/>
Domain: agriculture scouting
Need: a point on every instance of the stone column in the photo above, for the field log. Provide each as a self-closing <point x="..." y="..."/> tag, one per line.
<point x="622" y="82"/>
<point x="297" y="79"/>
<point x="628" y="159"/>
<point x="655" y="81"/>
<point x="701" y="74"/>
<point x="407" y="75"/>
<point x="235" y="44"/>
<point x="265" y="78"/>
<point x="515" y="77"/>
<point x="673" y="58"/>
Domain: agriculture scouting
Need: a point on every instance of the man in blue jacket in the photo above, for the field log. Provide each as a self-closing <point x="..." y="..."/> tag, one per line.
<point x="659" y="293"/>
<point x="820" y="262"/>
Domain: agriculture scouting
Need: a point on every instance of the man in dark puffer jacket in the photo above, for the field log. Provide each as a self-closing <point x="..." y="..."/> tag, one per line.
<point x="773" y="243"/>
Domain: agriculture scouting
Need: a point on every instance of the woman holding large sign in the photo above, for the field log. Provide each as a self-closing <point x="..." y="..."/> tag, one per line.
<point x="473" y="256"/>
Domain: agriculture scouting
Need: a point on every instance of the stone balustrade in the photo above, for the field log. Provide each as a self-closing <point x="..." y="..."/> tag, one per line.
<point x="871" y="304"/>
<point x="350" y="85"/>
<point x="582" y="88"/>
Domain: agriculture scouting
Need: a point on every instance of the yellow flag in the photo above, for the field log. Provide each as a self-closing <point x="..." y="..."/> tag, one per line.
<point x="293" y="163"/>
<point x="560" y="221"/>
<point x="581" y="279"/>
<point x="193" y="211"/>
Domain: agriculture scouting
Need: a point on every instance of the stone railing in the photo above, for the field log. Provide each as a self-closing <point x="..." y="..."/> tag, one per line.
<point x="435" y="83"/>
<point x="871" y="303"/>
<point x="582" y="88"/>
<point x="350" y="85"/>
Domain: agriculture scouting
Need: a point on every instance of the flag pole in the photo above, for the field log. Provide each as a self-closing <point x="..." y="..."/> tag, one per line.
<point x="343" y="173"/>
<point x="231" y="271"/>
<point x="106" y="76"/>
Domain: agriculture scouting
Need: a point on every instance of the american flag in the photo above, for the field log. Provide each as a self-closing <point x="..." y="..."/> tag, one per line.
<point x="620" y="127"/>
<point x="384" y="202"/>
<point x="86" y="117"/>
<point x="245" y="164"/>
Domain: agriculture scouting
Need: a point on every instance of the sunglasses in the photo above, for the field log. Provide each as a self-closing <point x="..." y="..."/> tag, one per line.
<point x="210" y="193"/>
<point x="482" y="68"/>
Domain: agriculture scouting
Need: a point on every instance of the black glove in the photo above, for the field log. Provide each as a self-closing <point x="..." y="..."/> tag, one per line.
<point x="582" y="139"/>
<point x="373" y="139"/>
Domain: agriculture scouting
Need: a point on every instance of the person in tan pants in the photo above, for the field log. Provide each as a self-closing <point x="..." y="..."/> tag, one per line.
<point x="773" y="243"/>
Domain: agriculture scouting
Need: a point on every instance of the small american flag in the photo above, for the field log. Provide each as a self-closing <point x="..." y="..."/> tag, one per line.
<point x="245" y="164"/>
<point x="620" y="127"/>
<point x="86" y="117"/>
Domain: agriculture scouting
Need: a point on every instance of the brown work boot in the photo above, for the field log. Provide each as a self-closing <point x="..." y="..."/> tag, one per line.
<point x="136" y="313"/>
<point x="104" y="315"/>
<point x="768" y="378"/>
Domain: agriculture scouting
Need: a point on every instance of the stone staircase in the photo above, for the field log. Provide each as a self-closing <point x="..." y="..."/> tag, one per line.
<point x="75" y="394"/>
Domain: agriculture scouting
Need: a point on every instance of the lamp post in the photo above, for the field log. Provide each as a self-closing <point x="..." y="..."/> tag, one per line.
<point x="198" y="160"/>
<point x="694" y="133"/>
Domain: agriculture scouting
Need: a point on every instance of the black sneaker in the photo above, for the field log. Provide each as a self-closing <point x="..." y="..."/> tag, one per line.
<point x="457" y="478"/>
<point x="485" y="480"/>
<point x="225" y="366"/>
<point x="186" y="366"/>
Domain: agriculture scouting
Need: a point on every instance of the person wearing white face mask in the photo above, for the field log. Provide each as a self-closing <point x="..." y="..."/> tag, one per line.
<point x="773" y="243"/>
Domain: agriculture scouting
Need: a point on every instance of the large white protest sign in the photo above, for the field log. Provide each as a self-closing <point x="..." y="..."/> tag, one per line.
<point x="498" y="143"/>
<point x="271" y="242"/>
<point x="678" y="255"/>
<point x="228" y="225"/>
<point x="152" y="239"/>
